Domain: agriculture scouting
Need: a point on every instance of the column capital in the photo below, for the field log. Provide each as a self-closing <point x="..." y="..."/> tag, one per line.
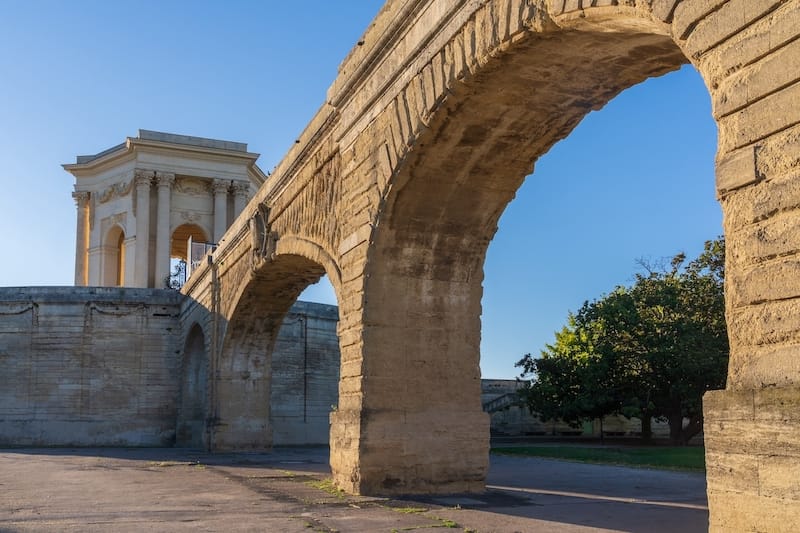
<point x="165" y="179"/>
<point x="142" y="177"/>
<point x="241" y="188"/>
<point x="220" y="186"/>
<point x="82" y="237"/>
<point x="81" y="198"/>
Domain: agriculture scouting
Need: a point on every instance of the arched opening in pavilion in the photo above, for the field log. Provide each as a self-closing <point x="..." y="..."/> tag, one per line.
<point x="181" y="255"/>
<point x="113" y="257"/>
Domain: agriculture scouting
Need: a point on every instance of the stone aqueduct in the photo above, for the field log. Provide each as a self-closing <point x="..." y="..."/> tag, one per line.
<point x="394" y="191"/>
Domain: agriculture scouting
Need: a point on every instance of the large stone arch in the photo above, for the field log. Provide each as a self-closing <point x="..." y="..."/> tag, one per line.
<point x="250" y="320"/>
<point x="441" y="143"/>
<point x="466" y="131"/>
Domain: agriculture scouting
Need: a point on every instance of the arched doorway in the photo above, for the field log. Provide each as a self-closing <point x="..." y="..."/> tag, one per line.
<point x="113" y="258"/>
<point x="464" y="153"/>
<point x="180" y="254"/>
<point x="192" y="407"/>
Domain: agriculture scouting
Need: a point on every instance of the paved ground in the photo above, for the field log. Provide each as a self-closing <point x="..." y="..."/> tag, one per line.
<point x="125" y="490"/>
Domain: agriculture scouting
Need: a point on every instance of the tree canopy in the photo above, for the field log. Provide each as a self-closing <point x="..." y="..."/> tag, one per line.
<point x="649" y="350"/>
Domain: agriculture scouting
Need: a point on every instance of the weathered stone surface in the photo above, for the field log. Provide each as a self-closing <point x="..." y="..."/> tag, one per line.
<point x="745" y="512"/>
<point x="732" y="472"/>
<point x="105" y="367"/>
<point x="765" y="35"/>
<point x="726" y="20"/>
<point x="736" y="169"/>
<point x="766" y="240"/>
<point x="760" y="119"/>
<point x="728" y="406"/>
<point x="753" y="458"/>
<point x="773" y="323"/>
<point x="751" y="204"/>
<point x="767" y="365"/>
<point x="88" y="366"/>
<point x="664" y="9"/>
<point x="688" y="14"/>
<point x="779" y="156"/>
<point x="778" y="477"/>
<point x="768" y="282"/>
<point x="758" y="79"/>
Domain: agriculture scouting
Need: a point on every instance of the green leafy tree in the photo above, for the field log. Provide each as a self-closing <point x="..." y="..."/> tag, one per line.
<point x="650" y="350"/>
<point x="572" y="383"/>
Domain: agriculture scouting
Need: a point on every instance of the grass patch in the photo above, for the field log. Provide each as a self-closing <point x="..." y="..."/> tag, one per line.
<point x="688" y="458"/>
<point x="167" y="464"/>
<point x="443" y="523"/>
<point x="327" y="485"/>
<point x="409" y="510"/>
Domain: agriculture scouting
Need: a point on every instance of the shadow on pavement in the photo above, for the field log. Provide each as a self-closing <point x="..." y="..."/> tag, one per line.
<point x="523" y="493"/>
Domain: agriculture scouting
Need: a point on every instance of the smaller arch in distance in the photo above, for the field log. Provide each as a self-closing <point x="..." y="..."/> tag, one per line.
<point x="191" y="428"/>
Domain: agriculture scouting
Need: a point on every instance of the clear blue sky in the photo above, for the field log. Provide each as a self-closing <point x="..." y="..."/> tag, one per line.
<point x="635" y="179"/>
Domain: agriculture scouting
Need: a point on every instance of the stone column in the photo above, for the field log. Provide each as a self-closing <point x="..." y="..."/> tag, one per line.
<point x="164" y="180"/>
<point x="220" y="188"/>
<point x="143" y="180"/>
<point x="409" y="418"/>
<point x="241" y="192"/>
<point x="82" y="238"/>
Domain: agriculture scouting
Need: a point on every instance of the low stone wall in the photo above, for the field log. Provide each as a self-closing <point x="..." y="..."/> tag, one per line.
<point x="100" y="366"/>
<point x="508" y="419"/>
<point x="88" y="366"/>
<point x="305" y="375"/>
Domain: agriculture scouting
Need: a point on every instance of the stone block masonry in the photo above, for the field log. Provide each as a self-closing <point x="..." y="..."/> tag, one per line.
<point x="88" y="366"/>
<point x="753" y="458"/>
<point x="92" y="366"/>
<point x="305" y="375"/>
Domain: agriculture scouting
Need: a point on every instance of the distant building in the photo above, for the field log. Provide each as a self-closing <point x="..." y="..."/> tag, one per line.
<point x="139" y="203"/>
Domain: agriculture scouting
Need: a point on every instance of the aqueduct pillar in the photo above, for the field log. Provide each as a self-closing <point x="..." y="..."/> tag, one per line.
<point x="443" y="109"/>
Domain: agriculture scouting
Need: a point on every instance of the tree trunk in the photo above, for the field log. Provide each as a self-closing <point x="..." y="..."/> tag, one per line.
<point x="601" y="430"/>
<point x="647" y="427"/>
<point x="675" y="419"/>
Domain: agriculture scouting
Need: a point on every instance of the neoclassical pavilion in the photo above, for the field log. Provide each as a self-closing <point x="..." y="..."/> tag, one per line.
<point x="140" y="201"/>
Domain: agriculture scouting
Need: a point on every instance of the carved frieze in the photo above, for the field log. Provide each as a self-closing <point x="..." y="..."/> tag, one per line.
<point x="191" y="216"/>
<point x="192" y="186"/>
<point x="116" y="190"/>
